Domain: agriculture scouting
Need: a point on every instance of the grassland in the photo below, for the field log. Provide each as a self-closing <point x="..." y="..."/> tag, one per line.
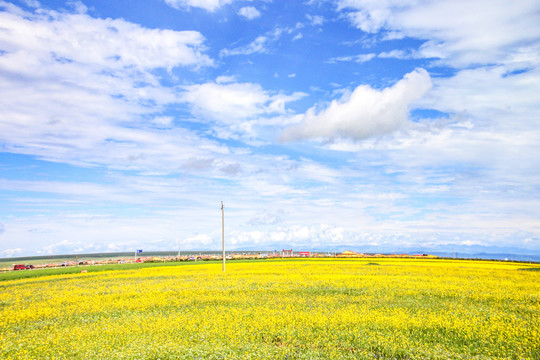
<point x="58" y="259"/>
<point x="277" y="309"/>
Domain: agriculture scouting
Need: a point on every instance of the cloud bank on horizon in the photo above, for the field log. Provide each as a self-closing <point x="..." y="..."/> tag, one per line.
<point x="388" y="125"/>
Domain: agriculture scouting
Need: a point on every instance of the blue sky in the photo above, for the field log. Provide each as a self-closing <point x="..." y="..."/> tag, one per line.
<point x="390" y="125"/>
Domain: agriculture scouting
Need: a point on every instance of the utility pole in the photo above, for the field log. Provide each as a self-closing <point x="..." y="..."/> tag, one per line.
<point x="223" y="232"/>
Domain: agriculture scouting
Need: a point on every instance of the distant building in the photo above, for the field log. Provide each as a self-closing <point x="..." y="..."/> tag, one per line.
<point x="286" y="253"/>
<point x="304" y="254"/>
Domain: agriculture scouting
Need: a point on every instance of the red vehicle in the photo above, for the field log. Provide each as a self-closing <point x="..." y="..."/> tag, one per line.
<point x="19" y="267"/>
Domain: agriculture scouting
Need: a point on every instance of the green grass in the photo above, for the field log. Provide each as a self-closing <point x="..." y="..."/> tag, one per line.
<point x="34" y="273"/>
<point x="58" y="259"/>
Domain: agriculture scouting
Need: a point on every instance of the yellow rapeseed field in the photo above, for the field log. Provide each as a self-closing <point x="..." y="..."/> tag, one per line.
<point x="278" y="309"/>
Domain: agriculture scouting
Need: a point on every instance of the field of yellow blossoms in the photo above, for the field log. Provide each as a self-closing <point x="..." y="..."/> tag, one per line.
<point x="278" y="309"/>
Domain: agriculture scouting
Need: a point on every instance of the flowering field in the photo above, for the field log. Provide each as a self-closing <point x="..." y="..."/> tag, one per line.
<point x="277" y="309"/>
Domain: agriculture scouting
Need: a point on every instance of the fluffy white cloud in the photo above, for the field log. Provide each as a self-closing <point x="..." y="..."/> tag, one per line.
<point x="490" y="102"/>
<point x="459" y="32"/>
<point x="92" y="81"/>
<point x="63" y="38"/>
<point x="490" y="95"/>
<point x="249" y="12"/>
<point x="101" y="104"/>
<point x="210" y="5"/>
<point x="233" y="102"/>
<point x="370" y="16"/>
<point x="225" y="79"/>
<point x="363" y="113"/>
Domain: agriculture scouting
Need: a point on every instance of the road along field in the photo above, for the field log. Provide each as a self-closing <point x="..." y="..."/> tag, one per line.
<point x="277" y="309"/>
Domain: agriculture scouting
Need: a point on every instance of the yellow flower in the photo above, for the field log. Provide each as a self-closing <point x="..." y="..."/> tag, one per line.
<point x="304" y="308"/>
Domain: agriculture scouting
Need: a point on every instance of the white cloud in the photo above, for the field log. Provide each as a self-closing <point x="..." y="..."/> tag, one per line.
<point x="396" y="54"/>
<point x="265" y="217"/>
<point x="65" y="235"/>
<point x="210" y="5"/>
<point x="225" y="79"/>
<point x="260" y="44"/>
<point x="361" y="58"/>
<point x="315" y="20"/>
<point x="78" y="38"/>
<point x="91" y="92"/>
<point x="199" y="241"/>
<point x="227" y="102"/>
<point x="492" y="96"/>
<point x="233" y="102"/>
<point x="78" y="6"/>
<point x="163" y="121"/>
<point x="11" y="252"/>
<point x="364" y="113"/>
<point x="393" y="35"/>
<point x="460" y="33"/>
<point x="359" y="205"/>
<point x="370" y="16"/>
<point x="249" y="12"/>
<point x="257" y="46"/>
<point x="32" y="3"/>
<point x="490" y="131"/>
